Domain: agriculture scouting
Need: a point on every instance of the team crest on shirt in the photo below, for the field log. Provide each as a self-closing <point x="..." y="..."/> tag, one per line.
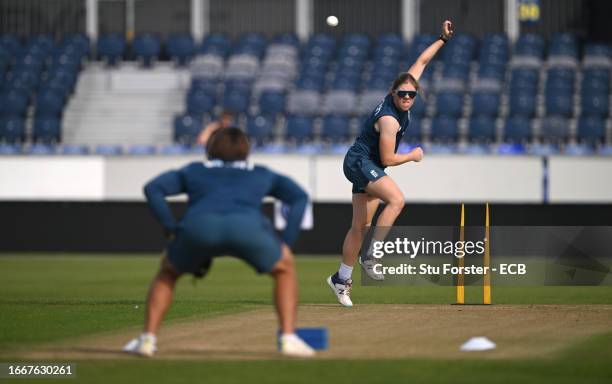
<point x="377" y="110"/>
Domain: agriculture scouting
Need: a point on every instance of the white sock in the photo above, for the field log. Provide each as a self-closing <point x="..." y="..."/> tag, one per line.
<point x="345" y="272"/>
<point x="289" y="336"/>
<point x="150" y="336"/>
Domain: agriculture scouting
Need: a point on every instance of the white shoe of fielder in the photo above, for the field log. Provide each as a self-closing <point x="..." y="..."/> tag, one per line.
<point x="341" y="288"/>
<point x="367" y="264"/>
<point x="143" y="345"/>
<point x="292" y="345"/>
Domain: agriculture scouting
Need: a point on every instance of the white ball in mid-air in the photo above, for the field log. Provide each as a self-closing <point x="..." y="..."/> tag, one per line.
<point x="332" y="21"/>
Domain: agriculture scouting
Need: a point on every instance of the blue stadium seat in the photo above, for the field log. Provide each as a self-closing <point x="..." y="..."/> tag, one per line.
<point x="456" y="71"/>
<point x="517" y="129"/>
<point x="444" y="128"/>
<point x="199" y="102"/>
<point x="591" y="129"/>
<point x="378" y="84"/>
<point x="559" y="103"/>
<point x="597" y="49"/>
<point x="12" y="130"/>
<point x="346" y="82"/>
<point x="286" y="38"/>
<point x="32" y="60"/>
<point x="13" y="103"/>
<point x="66" y="61"/>
<point x="77" y="40"/>
<point x="238" y="85"/>
<point x="419" y="44"/>
<point x="561" y="75"/>
<point x="209" y="86"/>
<point x="272" y="102"/>
<point x="459" y="50"/>
<point x="494" y="50"/>
<point x="111" y="47"/>
<point x="49" y="103"/>
<point x="216" y="43"/>
<point x="595" y="103"/>
<point x="11" y="43"/>
<point x="596" y="80"/>
<point x="311" y="83"/>
<point x="522" y="103"/>
<point x="236" y="100"/>
<point x="47" y="130"/>
<point x="304" y="102"/>
<point x="44" y="42"/>
<point x="146" y="47"/>
<point x="529" y="45"/>
<point x="482" y="128"/>
<point x="180" y="47"/>
<point x="419" y="107"/>
<point x="485" y="103"/>
<point x="449" y="104"/>
<point x="61" y="79"/>
<point x="187" y="128"/>
<point x="336" y="128"/>
<point x="564" y="44"/>
<point x="260" y="128"/>
<point x="300" y="127"/>
<point x="322" y="40"/>
<point x="554" y="129"/>
<point x="414" y="133"/>
<point x="524" y="78"/>
<point x="490" y="71"/>
<point x="23" y="80"/>
<point x="250" y="43"/>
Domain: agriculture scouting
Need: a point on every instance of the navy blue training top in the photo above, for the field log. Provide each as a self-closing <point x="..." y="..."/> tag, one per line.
<point x="367" y="143"/>
<point x="225" y="187"/>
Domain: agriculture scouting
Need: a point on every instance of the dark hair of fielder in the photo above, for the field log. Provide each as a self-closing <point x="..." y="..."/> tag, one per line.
<point x="228" y="144"/>
<point x="404" y="77"/>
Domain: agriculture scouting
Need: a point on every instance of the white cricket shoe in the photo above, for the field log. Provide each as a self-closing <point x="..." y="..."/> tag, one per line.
<point x="292" y="345"/>
<point x="341" y="288"/>
<point x="143" y="345"/>
<point x="368" y="267"/>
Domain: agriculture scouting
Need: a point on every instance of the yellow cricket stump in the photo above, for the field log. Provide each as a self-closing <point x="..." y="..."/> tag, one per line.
<point x="486" y="281"/>
<point x="460" y="262"/>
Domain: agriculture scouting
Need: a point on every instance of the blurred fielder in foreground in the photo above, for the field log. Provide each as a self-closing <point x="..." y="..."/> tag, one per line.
<point x="224" y="218"/>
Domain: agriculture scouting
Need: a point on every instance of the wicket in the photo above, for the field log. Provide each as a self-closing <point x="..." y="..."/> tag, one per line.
<point x="486" y="281"/>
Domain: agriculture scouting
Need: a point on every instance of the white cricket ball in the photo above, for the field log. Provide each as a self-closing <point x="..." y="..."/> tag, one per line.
<point x="135" y="307"/>
<point x="332" y="21"/>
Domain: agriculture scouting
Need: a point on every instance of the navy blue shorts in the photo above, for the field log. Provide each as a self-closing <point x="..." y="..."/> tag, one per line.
<point x="246" y="236"/>
<point x="360" y="170"/>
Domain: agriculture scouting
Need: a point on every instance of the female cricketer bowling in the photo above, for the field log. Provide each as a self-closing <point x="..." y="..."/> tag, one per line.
<point x="374" y="149"/>
<point x="224" y="218"/>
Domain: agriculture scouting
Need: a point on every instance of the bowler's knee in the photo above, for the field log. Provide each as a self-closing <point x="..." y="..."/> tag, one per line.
<point x="396" y="202"/>
<point x="167" y="270"/>
<point x="286" y="263"/>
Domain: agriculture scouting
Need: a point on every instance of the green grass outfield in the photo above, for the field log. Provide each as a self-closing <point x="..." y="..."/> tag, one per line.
<point x="44" y="298"/>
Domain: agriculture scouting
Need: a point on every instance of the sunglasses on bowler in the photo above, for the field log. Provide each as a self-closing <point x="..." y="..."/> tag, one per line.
<point x="402" y="94"/>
